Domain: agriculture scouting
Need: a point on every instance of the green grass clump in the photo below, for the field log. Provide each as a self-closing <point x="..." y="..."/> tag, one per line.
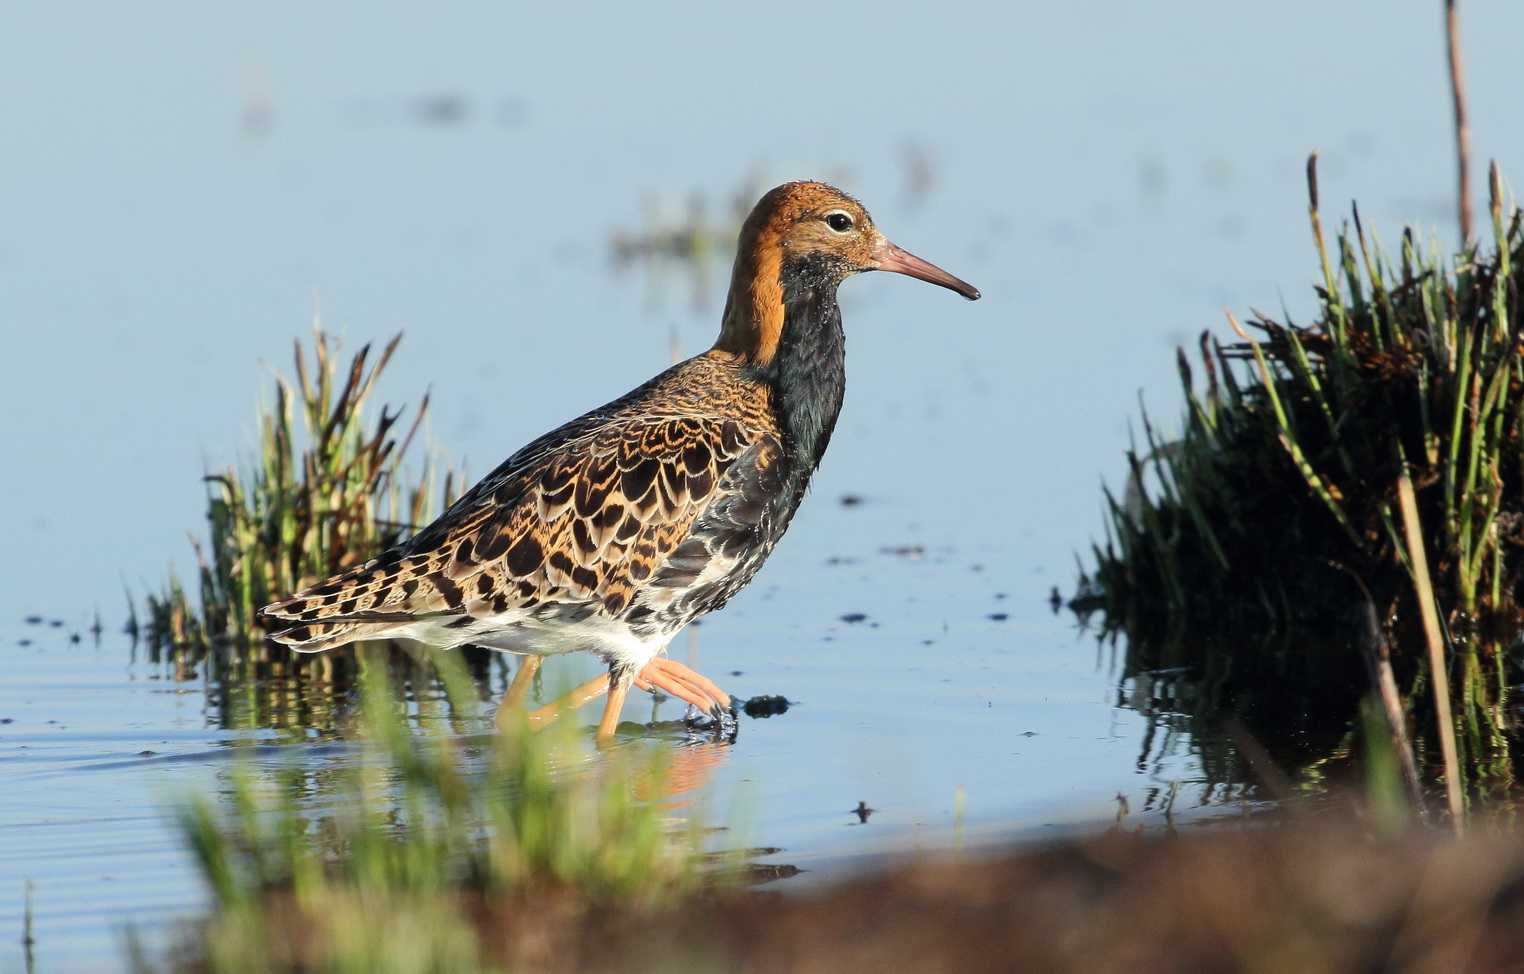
<point x="323" y="490"/>
<point x="1277" y="506"/>
<point x="427" y="850"/>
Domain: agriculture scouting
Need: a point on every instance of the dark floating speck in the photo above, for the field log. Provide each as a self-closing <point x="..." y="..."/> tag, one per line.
<point x="34" y="620"/>
<point x="737" y="672"/>
<point x="850" y="500"/>
<point x="147" y="754"/>
<point x="7" y="720"/>
<point x="768" y="705"/>
<point x="1028" y="733"/>
<point x="854" y="617"/>
<point x="24" y="642"/>
<point x="56" y="623"/>
<point x="999" y="616"/>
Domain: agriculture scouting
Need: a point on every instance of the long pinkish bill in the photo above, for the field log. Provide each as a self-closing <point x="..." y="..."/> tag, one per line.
<point x="892" y="258"/>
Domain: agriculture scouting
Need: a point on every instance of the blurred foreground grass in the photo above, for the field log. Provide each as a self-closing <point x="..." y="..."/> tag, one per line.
<point x="1318" y="894"/>
<point x="435" y="843"/>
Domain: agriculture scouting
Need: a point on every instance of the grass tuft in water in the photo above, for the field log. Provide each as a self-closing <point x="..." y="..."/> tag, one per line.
<point x="1277" y="507"/>
<point x="323" y="490"/>
<point x="426" y="850"/>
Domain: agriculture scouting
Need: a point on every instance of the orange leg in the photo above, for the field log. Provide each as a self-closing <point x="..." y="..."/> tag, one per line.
<point x="617" y="691"/>
<point x="591" y="690"/>
<point x="518" y="689"/>
<point x="587" y="692"/>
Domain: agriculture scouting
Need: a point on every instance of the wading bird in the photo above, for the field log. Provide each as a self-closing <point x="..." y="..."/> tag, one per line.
<point x="616" y="530"/>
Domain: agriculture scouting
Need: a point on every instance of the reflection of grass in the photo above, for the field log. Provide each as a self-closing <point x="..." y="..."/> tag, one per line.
<point x="1282" y="489"/>
<point x="325" y="490"/>
<point x="695" y="237"/>
<point x="1290" y="697"/>
<point x="686" y="246"/>
<point x="435" y="852"/>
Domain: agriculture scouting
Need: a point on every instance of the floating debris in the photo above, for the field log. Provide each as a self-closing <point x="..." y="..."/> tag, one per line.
<point x="765" y="706"/>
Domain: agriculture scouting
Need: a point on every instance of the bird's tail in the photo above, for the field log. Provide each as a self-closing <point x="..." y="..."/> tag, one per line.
<point x="314" y="637"/>
<point x="343" y="609"/>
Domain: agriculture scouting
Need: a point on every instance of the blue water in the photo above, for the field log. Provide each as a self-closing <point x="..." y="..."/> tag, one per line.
<point x="181" y="185"/>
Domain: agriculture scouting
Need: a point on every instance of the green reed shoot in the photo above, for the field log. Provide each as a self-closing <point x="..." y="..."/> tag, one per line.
<point x="323" y="490"/>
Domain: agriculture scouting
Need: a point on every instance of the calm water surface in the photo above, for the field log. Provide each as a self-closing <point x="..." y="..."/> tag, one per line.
<point x="180" y="185"/>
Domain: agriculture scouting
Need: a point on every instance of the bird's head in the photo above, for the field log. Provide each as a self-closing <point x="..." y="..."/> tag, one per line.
<point x="807" y="235"/>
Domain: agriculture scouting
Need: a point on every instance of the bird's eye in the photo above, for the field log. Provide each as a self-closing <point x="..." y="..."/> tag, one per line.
<point x="839" y="221"/>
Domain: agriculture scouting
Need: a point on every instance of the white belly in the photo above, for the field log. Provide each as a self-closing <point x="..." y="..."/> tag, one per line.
<point x="591" y="632"/>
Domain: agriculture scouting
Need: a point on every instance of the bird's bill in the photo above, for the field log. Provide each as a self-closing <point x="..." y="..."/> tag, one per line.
<point x="892" y="258"/>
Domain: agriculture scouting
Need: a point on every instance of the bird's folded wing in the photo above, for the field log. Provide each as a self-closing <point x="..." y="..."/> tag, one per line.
<point x="590" y="521"/>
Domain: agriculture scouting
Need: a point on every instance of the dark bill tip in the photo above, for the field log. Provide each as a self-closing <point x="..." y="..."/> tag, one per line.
<point x="892" y="258"/>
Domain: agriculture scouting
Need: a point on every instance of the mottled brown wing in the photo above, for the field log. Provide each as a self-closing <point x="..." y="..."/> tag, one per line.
<point x="586" y="523"/>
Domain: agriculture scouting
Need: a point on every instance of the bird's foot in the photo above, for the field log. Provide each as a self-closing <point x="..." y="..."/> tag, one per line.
<point x="672" y="677"/>
<point x="704" y="726"/>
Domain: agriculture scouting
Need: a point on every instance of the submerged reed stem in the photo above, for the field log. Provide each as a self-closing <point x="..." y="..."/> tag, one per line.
<point x="1439" y="678"/>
